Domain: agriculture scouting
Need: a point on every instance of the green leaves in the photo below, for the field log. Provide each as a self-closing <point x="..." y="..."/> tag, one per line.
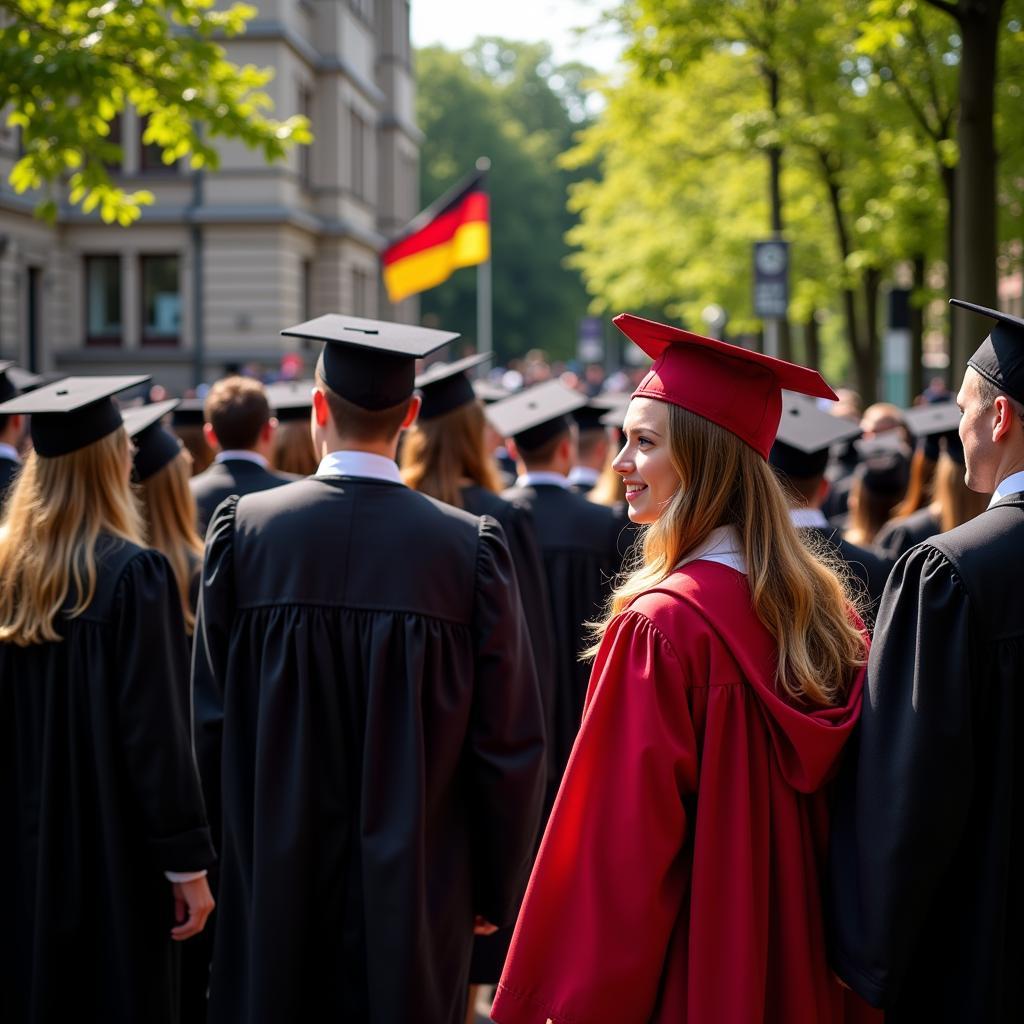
<point x="69" y="67"/>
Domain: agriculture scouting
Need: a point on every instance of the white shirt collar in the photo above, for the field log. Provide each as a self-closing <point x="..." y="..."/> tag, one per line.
<point x="584" y="476"/>
<point x="1011" y="485"/>
<point x="531" y="479"/>
<point x="243" y="455"/>
<point x="802" y="518"/>
<point x="366" y="464"/>
<point x="8" y="451"/>
<point x="722" y="546"/>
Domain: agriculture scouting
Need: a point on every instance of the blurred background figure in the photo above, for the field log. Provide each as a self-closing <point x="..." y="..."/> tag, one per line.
<point x="292" y="448"/>
<point x="879" y="483"/>
<point x="187" y="422"/>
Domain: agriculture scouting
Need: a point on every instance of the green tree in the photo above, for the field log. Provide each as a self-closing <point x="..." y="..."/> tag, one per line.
<point x="69" y="67"/>
<point x="510" y="102"/>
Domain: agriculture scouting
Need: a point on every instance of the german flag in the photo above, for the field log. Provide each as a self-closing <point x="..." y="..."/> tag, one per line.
<point x="453" y="232"/>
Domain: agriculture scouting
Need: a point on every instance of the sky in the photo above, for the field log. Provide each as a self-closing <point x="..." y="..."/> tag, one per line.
<point x="456" y="23"/>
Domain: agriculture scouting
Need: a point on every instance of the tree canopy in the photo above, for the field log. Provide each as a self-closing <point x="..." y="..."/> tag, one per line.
<point x="69" y="67"/>
<point x="510" y="102"/>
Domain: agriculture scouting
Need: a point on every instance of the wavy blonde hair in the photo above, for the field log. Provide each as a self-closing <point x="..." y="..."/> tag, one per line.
<point x="439" y="453"/>
<point x="802" y="602"/>
<point x="170" y="513"/>
<point x="56" y="512"/>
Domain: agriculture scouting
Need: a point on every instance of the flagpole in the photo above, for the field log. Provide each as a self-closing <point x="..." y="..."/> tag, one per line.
<point x="483" y="290"/>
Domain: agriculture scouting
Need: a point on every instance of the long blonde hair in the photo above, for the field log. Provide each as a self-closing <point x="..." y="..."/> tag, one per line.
<point x="170" y="512"/>
<point x="956" y="502"/>
<point x="440" y="453"/>
<point x="801" y="601"/>
<point x="610" y="489"/>
<point x="56" y="512"/>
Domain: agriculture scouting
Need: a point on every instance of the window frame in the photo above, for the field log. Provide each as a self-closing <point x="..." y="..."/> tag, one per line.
<point x="106" y="339"/>
<point x="148" y="340"/>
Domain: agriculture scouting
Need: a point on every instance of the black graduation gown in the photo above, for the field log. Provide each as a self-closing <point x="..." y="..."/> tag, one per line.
<point x="925" y="887"/>
<point x="9" y="469"/>
<point x="869" y="569"/>
<point x="100" y="796"/>
<point x="900" y="535"/>
<point x="366" y="703"/>
<point x="579" y="544"/>
<point x="232" y="476"/>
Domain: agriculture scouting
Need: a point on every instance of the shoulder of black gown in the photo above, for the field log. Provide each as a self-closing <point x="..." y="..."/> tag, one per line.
<point x="900" y="535"/>
<point x="507" y="734"/>
<point x="153" y="725"/>
<point x="214" y="616"/>
<point x="909" y="779"/>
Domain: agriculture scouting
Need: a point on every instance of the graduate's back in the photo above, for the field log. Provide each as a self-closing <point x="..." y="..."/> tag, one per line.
<point x="368" y="712"/>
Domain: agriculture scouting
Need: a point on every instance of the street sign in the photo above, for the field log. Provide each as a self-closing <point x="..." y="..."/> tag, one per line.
<point x="771" y="279"/>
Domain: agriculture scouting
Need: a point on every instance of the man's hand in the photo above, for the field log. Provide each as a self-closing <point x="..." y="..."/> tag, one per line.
<point x="193" y="904"/>
<point x="483" y="927"/>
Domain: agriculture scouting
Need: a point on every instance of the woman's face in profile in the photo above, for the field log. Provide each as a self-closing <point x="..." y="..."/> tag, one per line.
<point x="645" y="463"/>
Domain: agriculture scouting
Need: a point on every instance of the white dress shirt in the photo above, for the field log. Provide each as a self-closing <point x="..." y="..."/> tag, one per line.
<point x="583" y="476"/>
<point x="365" y="464"/>
<point x="722" y="546"/>
<point x="8" y="451"/>
<point x="1011" y="485"/>
<point x="802" y="518"/>
<point x="245" y="454"/>
<point x="532" y="479"/>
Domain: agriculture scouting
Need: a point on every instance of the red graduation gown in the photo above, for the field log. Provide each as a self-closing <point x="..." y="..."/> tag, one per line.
<point x="678" y="879"/>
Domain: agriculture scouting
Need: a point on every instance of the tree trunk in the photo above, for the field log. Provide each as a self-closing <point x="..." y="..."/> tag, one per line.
<point x="812" y="343"/>
<point x="868" y="364"/>
<point x="775" y="197"/>
<point x="866" y="377"/>
<point x="917" y="329"/>
<point x="975" y="230"/>
<point x="948" y="176"/>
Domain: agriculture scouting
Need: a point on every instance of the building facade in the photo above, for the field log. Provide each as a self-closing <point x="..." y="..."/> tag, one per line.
<point x="224" y="259"/>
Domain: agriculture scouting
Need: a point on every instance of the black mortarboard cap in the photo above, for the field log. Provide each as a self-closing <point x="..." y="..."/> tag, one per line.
<point x="536" y="415"/>
<point x="805" y="435"/>
<point x="591" y="415"/>
<point x="446" y="386"/>
<point x="937" y="425"/>
<point x="155" y="446"/>
<point x="72" y="413"/>
<point x="291" y="400"/>
<point x="885" y="464"/>
<point x="371" y="363"/>
<point x="189" y="413"/>
<point x="1000" y="357"/>
<point x="489" y="392"/>
<point x="616" y="416"/>
<point x="8" y="389"/>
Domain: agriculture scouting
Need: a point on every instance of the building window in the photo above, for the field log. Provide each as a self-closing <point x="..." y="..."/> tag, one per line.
<point x="364" y="8"/>
<point x="360" y="292"/>
<point x="306" y="152"/>
<point x="151" y="156"/>
<point x="357" y="145"/>
<point x="103" y="300"/>
<point x="114" y="138"/>
<point x="402" y="47"/>
<point x="161" y="300"/>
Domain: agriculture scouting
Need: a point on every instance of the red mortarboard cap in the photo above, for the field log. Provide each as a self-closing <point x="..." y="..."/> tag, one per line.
<point x="738" y="389"/>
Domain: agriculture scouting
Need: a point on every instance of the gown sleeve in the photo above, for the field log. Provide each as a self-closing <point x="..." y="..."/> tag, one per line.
<point x="506" y="736"/>
<point x="904" y="795"/>
<point x="521" y="536"/>
<point x="610" y="877"/>
<point x="152" y="716"/>
<point x="210" y="653"/>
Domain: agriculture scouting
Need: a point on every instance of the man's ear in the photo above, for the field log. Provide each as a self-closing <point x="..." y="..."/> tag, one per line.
<point x="513" y="451"/>
<point x="210" y="435"/>
<point x="565" y="448"/>
<point x="1005" y="415"/>
<point x="267" y="430"/>
<point x="412" y="412"/>
<point x="823" y="488"/>
<point x="320" y="410"/>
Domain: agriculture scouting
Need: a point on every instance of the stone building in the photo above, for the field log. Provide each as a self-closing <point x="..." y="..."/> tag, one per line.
<point x="223" y="260"/>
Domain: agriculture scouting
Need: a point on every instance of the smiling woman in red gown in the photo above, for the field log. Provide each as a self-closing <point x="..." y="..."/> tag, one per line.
<point x="678" y="879"/>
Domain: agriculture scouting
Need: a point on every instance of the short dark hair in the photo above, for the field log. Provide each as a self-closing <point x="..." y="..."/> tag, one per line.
<point x="989" y="392"/>
<point x="237" y="409"/>
<point x="363" y="425"/>
<point x="543" y="453"/>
